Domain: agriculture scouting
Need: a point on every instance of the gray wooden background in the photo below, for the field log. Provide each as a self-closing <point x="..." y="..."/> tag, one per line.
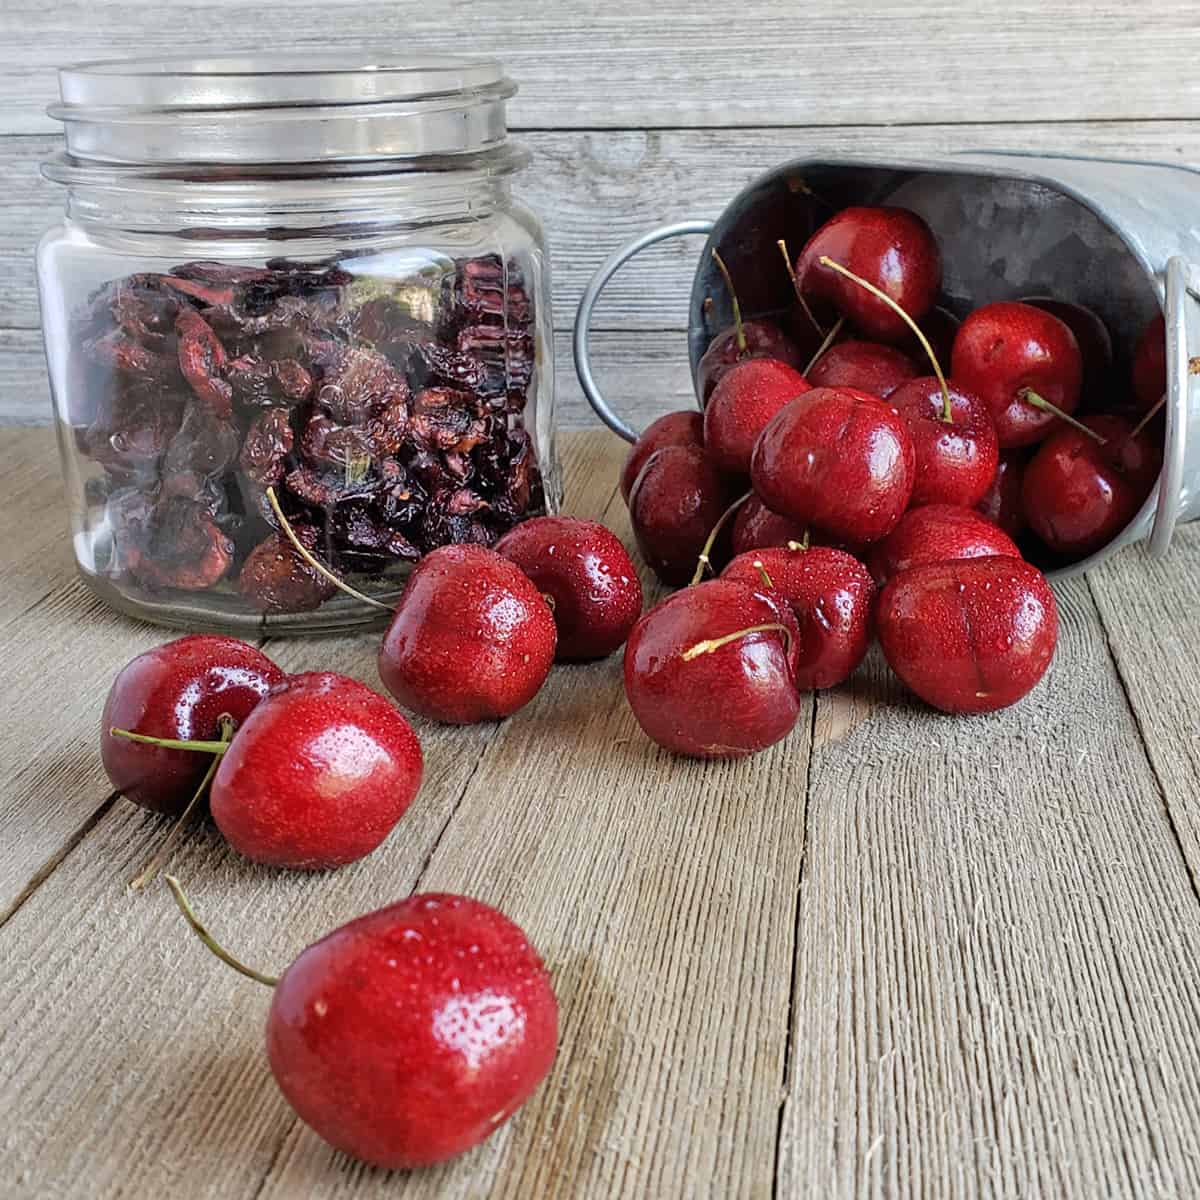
<point x="642" y="113"/>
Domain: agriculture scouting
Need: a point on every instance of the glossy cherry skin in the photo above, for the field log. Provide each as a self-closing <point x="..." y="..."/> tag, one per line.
<point x="956" y="459"/>
<point x="318" y="775"/>
<point x="587" y="574"/>
<point x="472" y="638"/>
<point x="838" y="460"/>
<point x="727" y="703"/>
<point x="1006" y="347"/>
<point x="756" y="526"/>
<point x="891" y="248"/>
<point x="969" y="636"/>
<point x="178" y="691"/>
<point x="1078" y="495"/>
<point x="1001" y="503"/>
<point x="683" y="428"/>
<point x="868" y="366"/>
<point x="938" y="533"/>
<point x="764" y="339"/>
<point x="1091" y="335"/>
<point x="749" y="395"/>
<point x="1150" y="364"/>
<point x="677" y="499"/>
<point x="831" y="595"/>
<point x="411" y="1034"/>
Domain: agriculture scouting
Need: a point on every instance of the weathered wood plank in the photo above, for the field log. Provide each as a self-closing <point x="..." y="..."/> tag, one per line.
<point x="630" y="65"/>
<point x="997" y="943"/>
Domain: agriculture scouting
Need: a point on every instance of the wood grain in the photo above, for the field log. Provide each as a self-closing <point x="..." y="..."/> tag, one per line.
<point x="625" y="65"/>
<point x="996" y="944"/>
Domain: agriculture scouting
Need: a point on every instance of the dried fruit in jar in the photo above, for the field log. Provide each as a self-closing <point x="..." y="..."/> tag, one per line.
<point x="276" y="579"/>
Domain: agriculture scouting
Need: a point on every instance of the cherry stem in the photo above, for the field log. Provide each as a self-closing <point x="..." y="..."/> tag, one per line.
<point x="316" y="565"/>
<point x="710" y="644"/>
<point x="152" y="868"/>
<point x="702" y="559"/>
<point x="808" y="312"/>
<point x="800" y="545"/>
<point x="1031" y="397"/>
<point x="1146" y="419"/>
<point x="733" y="300"/>
<point x="211" y="942"/>
<point x="762" y="571"/>
<point x="217" y="748"/>
<point x="830" y="338"/>
<point x="947" y="411"/>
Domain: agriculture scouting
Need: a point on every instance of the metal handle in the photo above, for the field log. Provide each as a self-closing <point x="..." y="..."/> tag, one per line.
<point x="583" y="318"/>
<point x="1170" y="483"/>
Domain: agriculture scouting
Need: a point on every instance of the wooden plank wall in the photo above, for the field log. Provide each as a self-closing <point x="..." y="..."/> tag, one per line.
<point x="642" y="114"/>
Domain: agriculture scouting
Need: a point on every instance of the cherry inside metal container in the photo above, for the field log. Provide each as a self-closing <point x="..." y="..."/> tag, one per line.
<point x="1121" y="237"/>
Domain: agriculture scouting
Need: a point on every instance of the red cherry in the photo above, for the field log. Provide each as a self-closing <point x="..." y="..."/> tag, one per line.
<point x="891" y="248"/>
<point x="471" y="640"/>
<point x="831" y="595"/>
<point x="1005" y="351"/>
<point x="867" y="366"/>
<point x="969" y="636"/>
<point x="940" y="327"/>
<point x="938" y="533"/>
<point x="677" y="499"/>
<point x="839" y="460"/>
<point x="1078" y="495"/>
<point x="1001" y="503"/>
<point x="1150" y="364"/>
<point x="956" y="459"/>
<point x="763" y="340"/>
<point x="411" y="1034"/>
<point x="587" y="574"/>
<point x="748" y="396"/>
<point x="1091" y="335"/>
<point x="756" y="526"/>
<point x="317" y="776"/>
<point x="178" y="691"/>
<point x="683" y="428"/>
<point x="696" y="694"/>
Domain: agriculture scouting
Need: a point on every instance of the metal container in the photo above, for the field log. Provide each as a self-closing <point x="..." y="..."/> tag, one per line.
<point x="1121" y="237"/>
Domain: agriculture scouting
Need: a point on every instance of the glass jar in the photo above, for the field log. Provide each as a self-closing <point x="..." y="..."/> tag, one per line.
<point x="291" y="287"/>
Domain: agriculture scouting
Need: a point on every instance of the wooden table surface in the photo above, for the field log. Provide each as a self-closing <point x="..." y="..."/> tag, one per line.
<point x="897" y="954"/>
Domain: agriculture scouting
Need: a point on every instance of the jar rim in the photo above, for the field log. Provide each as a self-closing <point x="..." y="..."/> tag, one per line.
<point x="281" y="108"/>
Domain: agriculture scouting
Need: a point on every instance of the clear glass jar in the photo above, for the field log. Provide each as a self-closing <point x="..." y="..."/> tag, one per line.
<point x="303" y="282"/>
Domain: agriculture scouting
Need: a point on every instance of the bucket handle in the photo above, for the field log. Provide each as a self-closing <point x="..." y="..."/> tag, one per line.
<point x="583" y="317"/>
<point x="1170" y="485"/>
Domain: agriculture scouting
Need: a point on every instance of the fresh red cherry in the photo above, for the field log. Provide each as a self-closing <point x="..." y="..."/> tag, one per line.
<point x="839" y="460"/>
<point x="747" y="397"/>
<point x="1078" y="494"/>
<point x="969" y="636"/>
<point x="677" y="499"/>
<point x="891" y="248"/>
<point x="587" y="575"/>
<point x="956" y="459"/>
<point x="1001" y="503"/>
<point x="831" y="595"/>
<point x="756" y="526"/>
<point x="411" y="1034"/>
<point x="178" y="691"/>
<point x="683" y="428"/>
<point x="938" y="533"/>
<point x="1150" y="364"/>
<point x="764" y="339"/>
<point x="1011" y="355"/>
<point x="868" y="366"/>
<point x="1092" y="336"/>
<point x="709" y="672"/>
<point x="318" y="775"/>
<point x="471" y="640"/>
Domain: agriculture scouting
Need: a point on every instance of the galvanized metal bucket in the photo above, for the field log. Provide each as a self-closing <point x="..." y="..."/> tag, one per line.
<point x="1121" y="237"/>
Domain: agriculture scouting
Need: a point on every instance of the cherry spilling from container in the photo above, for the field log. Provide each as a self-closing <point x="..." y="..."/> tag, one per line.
<point x="938" y="533"/>
<point x="410" y="1034"/>
<point x="747" y="397"/>
<point x="683" y="428"/>
<point x="472" y="639"/>
<point x="866" y="366"/>
<point x="1094" y="341"/>
<point x="756" y="526"/>
<point x="762" y="339"/>
<point x="587" y="575"/>
<point x="710" y="671"/>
